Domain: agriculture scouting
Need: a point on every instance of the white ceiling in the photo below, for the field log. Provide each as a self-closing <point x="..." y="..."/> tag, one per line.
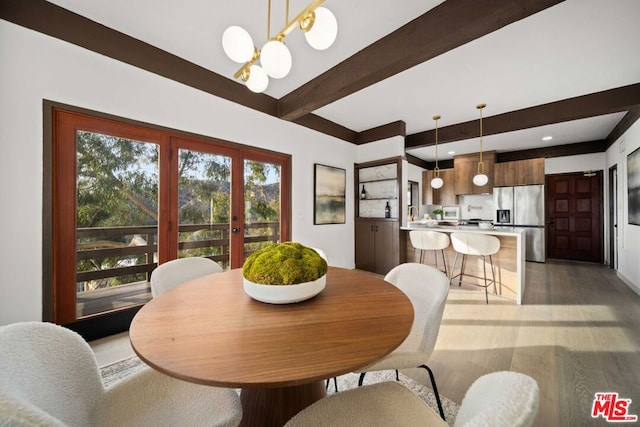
<point x="575" y="48"/>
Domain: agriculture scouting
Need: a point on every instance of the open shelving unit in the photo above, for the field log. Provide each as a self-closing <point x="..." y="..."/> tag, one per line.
<point x="381" y="183"/>
<point x="377" y="237"/>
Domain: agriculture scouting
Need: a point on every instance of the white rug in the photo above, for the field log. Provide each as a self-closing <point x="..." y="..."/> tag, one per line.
<point x="118" y="370"/>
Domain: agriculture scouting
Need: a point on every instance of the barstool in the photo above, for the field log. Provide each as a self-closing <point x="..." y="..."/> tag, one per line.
<point x="475" y="244"/>
<point x="430" y="241"/>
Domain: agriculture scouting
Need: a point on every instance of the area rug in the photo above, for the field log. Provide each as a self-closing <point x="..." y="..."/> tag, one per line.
<point x="118" y="370"/>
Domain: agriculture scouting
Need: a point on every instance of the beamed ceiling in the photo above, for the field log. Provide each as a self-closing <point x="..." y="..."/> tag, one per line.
<point x="567" y="69"/>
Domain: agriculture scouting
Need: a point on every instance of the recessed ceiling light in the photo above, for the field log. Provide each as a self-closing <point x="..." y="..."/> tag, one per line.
<point x="547" y="138"/>
<point x="452" y="153"/>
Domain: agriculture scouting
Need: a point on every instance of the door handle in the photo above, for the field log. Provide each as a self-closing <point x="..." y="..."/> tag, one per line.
<point x="235" y="230"/>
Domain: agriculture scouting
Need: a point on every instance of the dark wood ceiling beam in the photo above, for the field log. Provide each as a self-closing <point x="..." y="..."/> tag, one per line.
<point x="449" y="25"/>
<point x="589" y="147"/>
<point x="596" y="104"/>
<point x="397" y="128"/>
<point x="416" y="161"/>
<point x="327" y="127"/>
<point x="627" y="121"/>
<point x="55" y="21"/>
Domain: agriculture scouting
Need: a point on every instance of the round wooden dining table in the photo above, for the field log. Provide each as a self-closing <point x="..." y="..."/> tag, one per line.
<point x="208" y="331"/>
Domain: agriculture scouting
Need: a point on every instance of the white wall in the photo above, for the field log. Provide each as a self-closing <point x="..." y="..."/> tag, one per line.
<point x="385" y="148"/>
<point x="37" y="67"/>
<point x="579" y="163"/>
<point x="629" y="240"/>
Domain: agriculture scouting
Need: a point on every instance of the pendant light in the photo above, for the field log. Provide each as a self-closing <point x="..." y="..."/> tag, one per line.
<point x="480" y="178"/>
<point x="318" y="24"/>
<point x="436" y="182"/>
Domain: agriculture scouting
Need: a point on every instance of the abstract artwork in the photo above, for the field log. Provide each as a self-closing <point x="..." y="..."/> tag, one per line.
<point x="633" y="183"/>
<point x="329" y="195"/>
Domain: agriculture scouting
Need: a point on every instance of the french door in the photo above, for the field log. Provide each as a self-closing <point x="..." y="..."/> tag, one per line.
<point x="127" y="197"/>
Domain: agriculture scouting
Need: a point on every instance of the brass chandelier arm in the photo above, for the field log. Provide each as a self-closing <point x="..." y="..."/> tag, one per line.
<point x="298" y="20"/>
<point x="243" y="72"/>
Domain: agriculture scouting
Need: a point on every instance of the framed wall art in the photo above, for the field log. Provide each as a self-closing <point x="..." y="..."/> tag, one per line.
<point x="633" y="185"/>
<point x="329" y="194"/>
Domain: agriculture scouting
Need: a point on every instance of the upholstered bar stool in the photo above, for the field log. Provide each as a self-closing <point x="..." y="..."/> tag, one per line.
<point x="428" y="240"/>
<point x="475" y="244"/>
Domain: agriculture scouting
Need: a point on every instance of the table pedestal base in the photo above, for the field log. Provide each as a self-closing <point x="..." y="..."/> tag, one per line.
<point x="275" y="406"/>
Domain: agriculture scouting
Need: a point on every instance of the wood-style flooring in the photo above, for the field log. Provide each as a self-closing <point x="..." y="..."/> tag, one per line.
<point x="577" y="333"/>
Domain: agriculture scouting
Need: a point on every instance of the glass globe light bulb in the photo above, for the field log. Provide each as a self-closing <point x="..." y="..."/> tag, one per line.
<point x="275" y="59"/>
<point x="258" y="80"/>
<point x="480" y="179"/>
<point x="324" y="30"/>
<point x="437" y="182"/>
<point x="237" y="44"/>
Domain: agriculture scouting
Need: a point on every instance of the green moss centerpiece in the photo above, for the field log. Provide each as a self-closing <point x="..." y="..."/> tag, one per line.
<point x="283" y="273"/>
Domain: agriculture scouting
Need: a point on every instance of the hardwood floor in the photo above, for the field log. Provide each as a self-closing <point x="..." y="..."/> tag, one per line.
<point x="577" y="333"/>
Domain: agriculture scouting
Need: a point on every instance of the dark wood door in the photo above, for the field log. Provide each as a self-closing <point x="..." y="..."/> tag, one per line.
<point x="574" y="216"/>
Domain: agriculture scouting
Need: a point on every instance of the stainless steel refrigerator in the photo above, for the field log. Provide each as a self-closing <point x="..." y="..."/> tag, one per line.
<point x="523" y="207"/>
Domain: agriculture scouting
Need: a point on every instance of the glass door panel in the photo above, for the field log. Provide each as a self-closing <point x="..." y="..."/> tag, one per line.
<point x="204" y="205"/>
<point x="116" y="220"/>
<point x="262" y="205"/>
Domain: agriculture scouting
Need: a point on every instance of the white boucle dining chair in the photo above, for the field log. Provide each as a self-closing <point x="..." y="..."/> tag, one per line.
<point x="498" y="399"/>
<point x="427" y="288"/>
<point x="172" y="273"/>
<point x="49" y="377"/>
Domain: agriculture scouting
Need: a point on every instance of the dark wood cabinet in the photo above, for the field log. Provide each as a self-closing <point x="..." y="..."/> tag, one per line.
<point x="441" y="196"/>
<point x="377" y="244"/>
<point x="519" y="172"/>
<point x="466" y="167"/>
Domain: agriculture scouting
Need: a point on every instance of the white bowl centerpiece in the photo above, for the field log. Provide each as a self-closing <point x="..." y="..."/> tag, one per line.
<point x="284" y="273"/>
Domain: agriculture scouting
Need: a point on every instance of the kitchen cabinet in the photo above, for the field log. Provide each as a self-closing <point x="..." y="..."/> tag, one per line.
<point x="530" y="172"/>
<point x="466" y="167"/>
<point x="519" y="172"/>
<point x="377" y="244"/>
<point x="446" y="195"/>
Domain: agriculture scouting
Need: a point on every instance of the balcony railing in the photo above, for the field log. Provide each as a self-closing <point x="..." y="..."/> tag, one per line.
<point x="108" y="258"/>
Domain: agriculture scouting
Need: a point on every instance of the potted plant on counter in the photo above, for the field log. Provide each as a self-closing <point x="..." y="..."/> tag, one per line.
<point x="438" y="213"/>
<point x="283" y="273"/>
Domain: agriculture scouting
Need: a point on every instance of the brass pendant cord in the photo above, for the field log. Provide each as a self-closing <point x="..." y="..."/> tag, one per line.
<point x="481" y="164"/>
<point x="437" y="169"/>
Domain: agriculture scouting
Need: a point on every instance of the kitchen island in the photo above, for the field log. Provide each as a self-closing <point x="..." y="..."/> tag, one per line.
<point x="509" y="262"/>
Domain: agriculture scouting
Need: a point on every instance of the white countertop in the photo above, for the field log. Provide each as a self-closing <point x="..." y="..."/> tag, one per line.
<point x="497" y="231"/>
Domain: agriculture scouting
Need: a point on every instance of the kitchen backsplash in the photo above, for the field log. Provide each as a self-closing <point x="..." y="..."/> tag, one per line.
<point x="476" y="206"/>
<point x="471" y="206"/>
